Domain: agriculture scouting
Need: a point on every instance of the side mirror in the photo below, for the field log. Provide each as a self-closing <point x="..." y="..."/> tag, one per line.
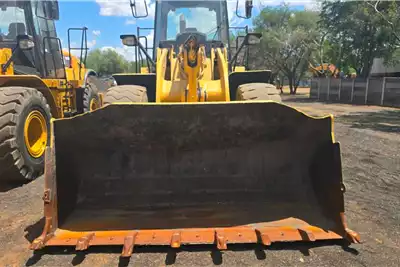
<point x="129" y="40"/>
<point x="47" y="10"/>
<point x="252" y="38"/>
<point x="55" y="13"/>
<point x="248" y="8"/>
<point x="25" y="42"/>
<point x="139" y="8"/>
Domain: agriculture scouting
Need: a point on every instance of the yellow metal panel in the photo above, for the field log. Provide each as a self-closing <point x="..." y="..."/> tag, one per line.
<point x="73" y="72"/>
<point x="182" y="77"/>
<point x="5" y="55"/>
<point x="192" y="74"/>
<point x="239" y="69"/>
<point x="160" y="72"/>
<point x="33" y="81"/>
<point x="223" y="72"/>
<point x="144" y="70"/>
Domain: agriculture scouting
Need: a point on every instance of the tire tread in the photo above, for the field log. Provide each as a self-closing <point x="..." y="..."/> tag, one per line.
<point x="125" y="93"/>
<point x="11" y="101"/>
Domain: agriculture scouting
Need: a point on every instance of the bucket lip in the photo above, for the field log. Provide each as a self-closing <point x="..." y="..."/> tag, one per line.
<point x="249" y="102"/>
<point x="287" y="230"/>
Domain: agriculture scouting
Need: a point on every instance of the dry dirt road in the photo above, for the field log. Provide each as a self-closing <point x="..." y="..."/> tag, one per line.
<point x="370" y="141"/>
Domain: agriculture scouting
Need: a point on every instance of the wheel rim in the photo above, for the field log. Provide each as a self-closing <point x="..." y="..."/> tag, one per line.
<point x="35" y="133"/>
<point x="93" y="104"/>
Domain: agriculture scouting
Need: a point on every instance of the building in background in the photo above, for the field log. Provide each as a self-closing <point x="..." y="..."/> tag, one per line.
<point x="379" y="69"/>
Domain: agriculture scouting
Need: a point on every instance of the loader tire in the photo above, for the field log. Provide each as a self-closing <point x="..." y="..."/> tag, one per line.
<point x="125" y="93"/>
<point x="258" y="91"/>
<point x="91" y="100"/>
<point x="24" y="133"/>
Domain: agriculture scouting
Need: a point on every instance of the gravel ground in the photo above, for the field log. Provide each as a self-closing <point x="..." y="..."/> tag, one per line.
<point x="370" y="143"/>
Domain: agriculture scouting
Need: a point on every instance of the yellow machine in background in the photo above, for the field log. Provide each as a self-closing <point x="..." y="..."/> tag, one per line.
<point x="190" y="152"/>
<point x="324" y="70"/>
<point x="73" y="68"/>
<point x="36" y="84"/>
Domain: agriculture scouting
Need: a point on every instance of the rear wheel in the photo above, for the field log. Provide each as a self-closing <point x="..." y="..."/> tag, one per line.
<point x="91" y="100"/>
<point x="24" y="133"/>
<point x="125" y="93"/>
<point x="258" y="91"/>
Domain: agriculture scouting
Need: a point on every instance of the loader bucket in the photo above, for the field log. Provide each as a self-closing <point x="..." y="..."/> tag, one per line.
<point x="173" y="174"/>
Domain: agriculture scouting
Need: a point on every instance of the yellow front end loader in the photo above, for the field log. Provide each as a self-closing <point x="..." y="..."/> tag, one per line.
<point x="189" y="152"/>
<point x="37" y="83"/>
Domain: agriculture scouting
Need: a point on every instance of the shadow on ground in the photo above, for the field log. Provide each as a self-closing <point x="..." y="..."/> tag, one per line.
<point x="384" y="121"/>
<point x="7" y="186"/>
<point x="33" y="231"/>
<point x="171" y="254"/>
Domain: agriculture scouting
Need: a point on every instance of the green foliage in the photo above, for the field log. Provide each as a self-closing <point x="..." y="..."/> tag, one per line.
<point x="108" y="61"/>
<point x="347" y="34"/>
<point x="359" y="32"/>
<point x="288" y="42"/>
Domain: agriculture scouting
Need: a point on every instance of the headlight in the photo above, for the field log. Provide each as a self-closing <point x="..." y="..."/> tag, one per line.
<point x="25" y="43"/>
<point x="129" y="40"/>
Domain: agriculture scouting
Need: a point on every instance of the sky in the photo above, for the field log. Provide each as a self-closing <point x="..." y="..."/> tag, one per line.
<point x="106" y="20"/>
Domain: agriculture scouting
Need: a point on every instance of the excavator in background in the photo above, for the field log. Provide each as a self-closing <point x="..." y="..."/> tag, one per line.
<point x="324" y="70"/>
<point x="191" y="151"/>
<point x="37" y="84"/>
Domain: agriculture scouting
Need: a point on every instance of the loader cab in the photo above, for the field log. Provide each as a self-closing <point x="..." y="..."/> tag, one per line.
<point x="176" y="20"/>
<point x="39" y="52"/>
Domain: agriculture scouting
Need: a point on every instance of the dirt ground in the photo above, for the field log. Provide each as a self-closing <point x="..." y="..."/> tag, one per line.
<point x="370" y="142"/>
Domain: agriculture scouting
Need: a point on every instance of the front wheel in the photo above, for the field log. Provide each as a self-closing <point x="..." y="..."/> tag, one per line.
<point x="24" y="133"/>
<point x="258" y="91"/>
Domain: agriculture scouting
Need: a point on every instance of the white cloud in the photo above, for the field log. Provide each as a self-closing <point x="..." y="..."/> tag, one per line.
<point x="129" y="52"/>
<point x="77" y="53"/>
<point x="308" y="4"/>
<point x="150" y="38"/>
<point x="91" y="44"/>
<point x="121" y="8"/>
<point x="96" y="32"/>
<point x="114" y="8"/>
<point x="258" y="5"/>
<point x="130" y="22"/>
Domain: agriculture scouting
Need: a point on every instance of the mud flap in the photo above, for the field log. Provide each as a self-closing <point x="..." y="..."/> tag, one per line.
<point x="197" y="173"/>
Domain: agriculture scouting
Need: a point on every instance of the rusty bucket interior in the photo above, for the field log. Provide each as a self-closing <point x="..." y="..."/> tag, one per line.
<point x="239" y="172"/>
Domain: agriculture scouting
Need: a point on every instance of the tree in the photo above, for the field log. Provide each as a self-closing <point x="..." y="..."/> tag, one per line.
<point x="288" y="41"/>
<point x="389" y="12"/>
<point x="107" y="62"/>
<point x="359" y="32"/>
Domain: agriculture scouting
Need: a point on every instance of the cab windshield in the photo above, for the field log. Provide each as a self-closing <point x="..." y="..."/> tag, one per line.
<point x="199" y="19"/>
<point x="12" y="22"/>
<point x="175" y="17"/>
